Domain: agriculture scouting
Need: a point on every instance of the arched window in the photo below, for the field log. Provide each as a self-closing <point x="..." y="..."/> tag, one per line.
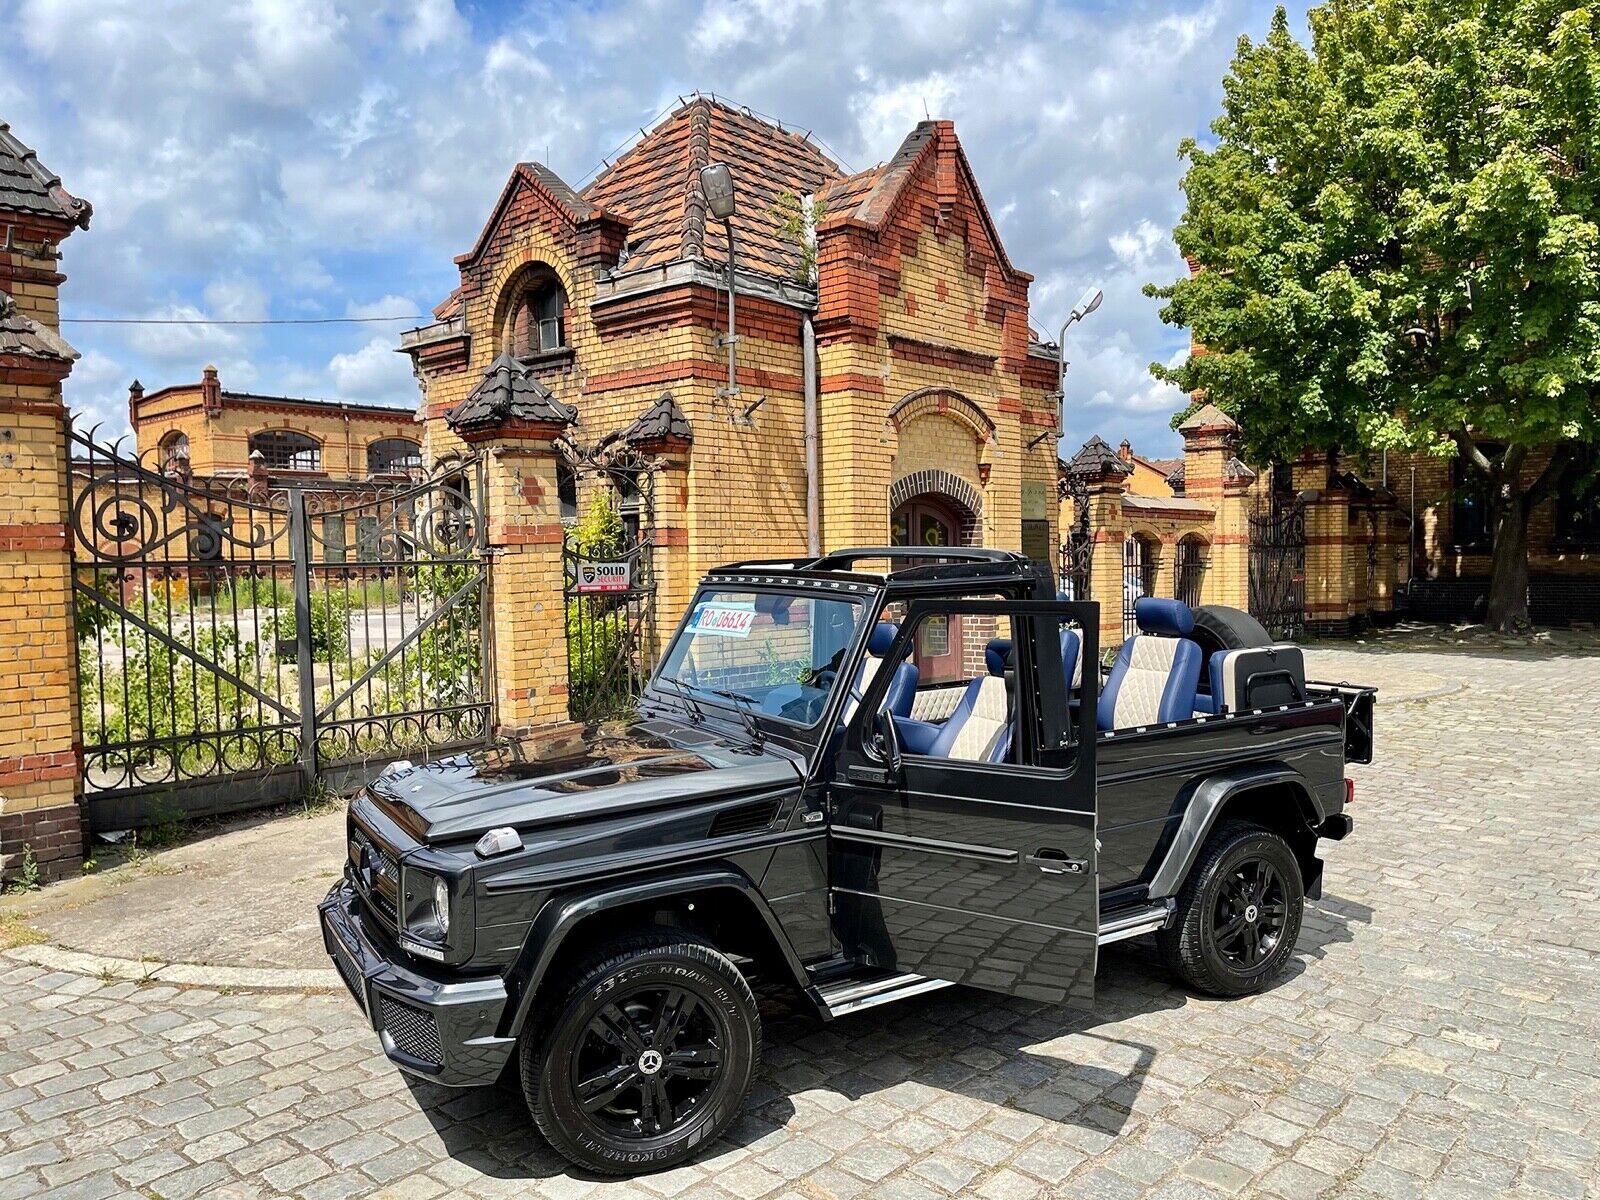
<point x="286" y="450"/>
<point x="537" y="320"/>
<point x="394" y="456"/>
<point x="174" y="449"/>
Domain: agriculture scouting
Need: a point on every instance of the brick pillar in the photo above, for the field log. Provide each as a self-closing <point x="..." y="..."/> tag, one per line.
<point x="1228" y="573"/>
<point x="675" y="579"/>
<point x="1329" y="551"/>
<point x="528" y="614"/>
<point x="1107" y="526"/>
<point x="40" y="734"/>
<point x="1213" y="475"/>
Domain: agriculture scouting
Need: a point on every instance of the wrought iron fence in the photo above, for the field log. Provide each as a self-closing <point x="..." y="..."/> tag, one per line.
<point x="232" y="632"/>
<point x="1189" y="570"/>
<point x="610" y="586"/>
<point x="1140" y="560"/>
<point x="1278" y="568"/>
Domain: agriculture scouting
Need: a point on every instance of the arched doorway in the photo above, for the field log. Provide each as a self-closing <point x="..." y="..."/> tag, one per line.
<point x="933" y="520"/>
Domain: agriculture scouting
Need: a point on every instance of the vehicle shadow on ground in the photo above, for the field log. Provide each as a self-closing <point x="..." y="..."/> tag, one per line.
<point x="946" y="1048"/>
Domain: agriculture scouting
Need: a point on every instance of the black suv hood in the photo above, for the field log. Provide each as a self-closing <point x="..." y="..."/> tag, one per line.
<point x="550" y="779"/>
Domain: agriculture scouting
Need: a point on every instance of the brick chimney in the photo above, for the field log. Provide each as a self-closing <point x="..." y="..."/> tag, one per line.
<point x="1125" y="451"/>
<point x="135" y="394"/>
<point x="211" y="392"/>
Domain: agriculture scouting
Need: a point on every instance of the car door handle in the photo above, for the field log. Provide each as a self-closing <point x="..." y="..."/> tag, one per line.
<point x="1052" y="861"/>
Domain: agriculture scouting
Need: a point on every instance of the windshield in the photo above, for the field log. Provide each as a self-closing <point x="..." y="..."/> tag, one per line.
<point x="777" y="653"/>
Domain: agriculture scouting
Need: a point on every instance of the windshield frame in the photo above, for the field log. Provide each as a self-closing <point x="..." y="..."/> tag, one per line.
<point x="863" y="592"/>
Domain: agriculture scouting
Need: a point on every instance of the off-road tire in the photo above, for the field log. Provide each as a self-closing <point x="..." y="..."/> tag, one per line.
<point x="1190" y="943"/>
<point x="554" y="1038"/>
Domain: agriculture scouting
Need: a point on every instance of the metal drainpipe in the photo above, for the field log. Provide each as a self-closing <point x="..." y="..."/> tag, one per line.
<point x="808" y="375"/>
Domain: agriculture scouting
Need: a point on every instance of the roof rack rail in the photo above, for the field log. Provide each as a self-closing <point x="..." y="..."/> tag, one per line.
<point x="919" y="554"/>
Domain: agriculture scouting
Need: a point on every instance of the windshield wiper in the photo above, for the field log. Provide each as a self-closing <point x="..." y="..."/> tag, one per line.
<point x="696" y="714"/>
<point x="745" y="707"/>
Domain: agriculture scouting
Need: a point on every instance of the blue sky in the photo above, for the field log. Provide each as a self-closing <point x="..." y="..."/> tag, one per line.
<point x="320" y="159"/>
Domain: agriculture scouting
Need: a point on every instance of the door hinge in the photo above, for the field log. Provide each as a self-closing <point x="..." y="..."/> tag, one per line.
<point x="833" y="904"/>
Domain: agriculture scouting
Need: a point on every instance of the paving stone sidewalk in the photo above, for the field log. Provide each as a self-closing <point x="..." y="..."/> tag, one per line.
<point x="1436" y="1037"/>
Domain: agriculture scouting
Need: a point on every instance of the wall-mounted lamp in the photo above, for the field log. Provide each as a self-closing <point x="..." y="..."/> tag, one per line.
<point x="716" y="182"/>
<point x="1087" y="303"/>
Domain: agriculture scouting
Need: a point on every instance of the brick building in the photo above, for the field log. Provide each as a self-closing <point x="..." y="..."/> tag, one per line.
<point x="38" y="705"/>
<point x="202" y="429"/>
<point x="878" y="309"/>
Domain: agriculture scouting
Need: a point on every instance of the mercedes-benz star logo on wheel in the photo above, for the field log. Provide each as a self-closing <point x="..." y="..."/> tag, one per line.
<point x="650" y="1062"/>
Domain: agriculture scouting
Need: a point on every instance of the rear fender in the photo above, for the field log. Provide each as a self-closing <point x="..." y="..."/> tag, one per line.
<point x="1207" y="805"/>
<point x="563" y="915"/>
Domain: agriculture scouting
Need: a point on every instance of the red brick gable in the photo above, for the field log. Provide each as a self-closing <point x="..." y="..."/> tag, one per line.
<point x="548" y="193"/>
<point x="876" y="198"/>
<point x="876" y="217"/>
<point x="655" y="185"/>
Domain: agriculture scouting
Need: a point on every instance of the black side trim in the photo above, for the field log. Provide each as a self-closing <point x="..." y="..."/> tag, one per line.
<point x="877" y="837"/>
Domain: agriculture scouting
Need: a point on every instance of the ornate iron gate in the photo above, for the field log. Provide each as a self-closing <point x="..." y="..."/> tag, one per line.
<point x="235" y="639"/>
<point x="1075" y="565"/>
<point x="1140" y="560"/>
<point x="610" y="586"/>
<point x="1189" y="571"/>
<point x="1278" y="568"/>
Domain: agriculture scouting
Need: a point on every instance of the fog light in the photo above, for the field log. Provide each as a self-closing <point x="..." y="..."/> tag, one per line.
<point x="441" y="905"/>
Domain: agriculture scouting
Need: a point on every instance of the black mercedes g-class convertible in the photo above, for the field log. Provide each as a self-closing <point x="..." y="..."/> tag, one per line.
<point x="794" y="800"/>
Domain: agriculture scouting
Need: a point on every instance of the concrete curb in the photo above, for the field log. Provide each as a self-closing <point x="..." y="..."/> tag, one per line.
<point x="236" y="979"/>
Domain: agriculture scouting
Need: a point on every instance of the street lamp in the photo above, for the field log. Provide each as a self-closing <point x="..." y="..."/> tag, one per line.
<point x="716" y="181"/>
<point x="1087" y="303"/>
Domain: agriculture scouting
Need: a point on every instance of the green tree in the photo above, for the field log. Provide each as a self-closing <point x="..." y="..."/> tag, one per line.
<point x="1396" y="230"/>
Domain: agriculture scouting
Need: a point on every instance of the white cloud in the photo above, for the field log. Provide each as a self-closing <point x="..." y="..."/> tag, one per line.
<point x="373" y="373"/>
<point x="305" y="158"/>
<point x="386" y="306"/>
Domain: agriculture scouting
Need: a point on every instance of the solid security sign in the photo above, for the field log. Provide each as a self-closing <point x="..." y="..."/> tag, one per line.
<point x="602" y="576"/>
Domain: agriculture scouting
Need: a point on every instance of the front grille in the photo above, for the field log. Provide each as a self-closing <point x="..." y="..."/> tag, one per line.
<point x="383" y="861"/>
<point x="415" y="1032"/>
<point x="377" y="872"/>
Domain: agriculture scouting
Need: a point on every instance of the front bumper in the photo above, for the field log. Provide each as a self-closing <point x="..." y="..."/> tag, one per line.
<point x="443" y="1030"/>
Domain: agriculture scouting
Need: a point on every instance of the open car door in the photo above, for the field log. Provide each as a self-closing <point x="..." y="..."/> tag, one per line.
<point x="966" y="852"/>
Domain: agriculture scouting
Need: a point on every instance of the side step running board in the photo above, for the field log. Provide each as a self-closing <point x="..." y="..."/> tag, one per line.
<point x="853" y="996"/>
<point x="1141" y="920"/>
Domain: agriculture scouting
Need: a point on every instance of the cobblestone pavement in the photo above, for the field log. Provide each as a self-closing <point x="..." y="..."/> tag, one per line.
<point x="1436" y="1037"/>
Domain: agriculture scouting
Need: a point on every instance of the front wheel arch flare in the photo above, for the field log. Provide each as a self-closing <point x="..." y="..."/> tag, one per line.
<point x="563" y="926"/>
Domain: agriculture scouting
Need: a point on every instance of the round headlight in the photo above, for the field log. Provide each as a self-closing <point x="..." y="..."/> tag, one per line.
<point x="441" y="905"/>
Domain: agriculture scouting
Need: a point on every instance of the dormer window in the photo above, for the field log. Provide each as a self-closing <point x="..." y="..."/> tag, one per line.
<point x="286" y="450"/>
<point x="537" y="324"/>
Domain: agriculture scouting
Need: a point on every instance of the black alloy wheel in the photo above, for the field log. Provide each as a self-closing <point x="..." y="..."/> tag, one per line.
<point x="647" y="1061"/>
<point x="646" y="1055"/>
<point x="1238" y="913"/>
<point x="1249" y="914"/>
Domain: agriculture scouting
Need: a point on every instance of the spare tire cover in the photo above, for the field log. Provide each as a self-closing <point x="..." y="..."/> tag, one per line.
<point x="1218" y="627"/>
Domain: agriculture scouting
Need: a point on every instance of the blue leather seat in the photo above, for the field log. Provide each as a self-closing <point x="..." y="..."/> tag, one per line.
<point x="902" y="687"/>
<point x="980" y="727"/>
<point x="1071" y="649"/>
<point x="1157" y="671"/>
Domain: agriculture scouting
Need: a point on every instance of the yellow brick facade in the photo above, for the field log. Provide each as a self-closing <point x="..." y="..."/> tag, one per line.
<point x="40" y="817"/>
<point x="218" y="425"/>
<point x="933" y="371"/>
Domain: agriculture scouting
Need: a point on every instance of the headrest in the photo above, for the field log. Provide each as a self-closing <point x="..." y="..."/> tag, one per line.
<point x="996" y="655"/>
<point x="1171" y="617"/>
<point x="881" y="638"/>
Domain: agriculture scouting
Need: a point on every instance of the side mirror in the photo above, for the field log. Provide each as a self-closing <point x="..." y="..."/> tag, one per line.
<point x="886" y="739"/>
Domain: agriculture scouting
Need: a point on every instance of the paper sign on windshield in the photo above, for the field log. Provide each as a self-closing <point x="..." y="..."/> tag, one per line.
<point x="724" y="620"/>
